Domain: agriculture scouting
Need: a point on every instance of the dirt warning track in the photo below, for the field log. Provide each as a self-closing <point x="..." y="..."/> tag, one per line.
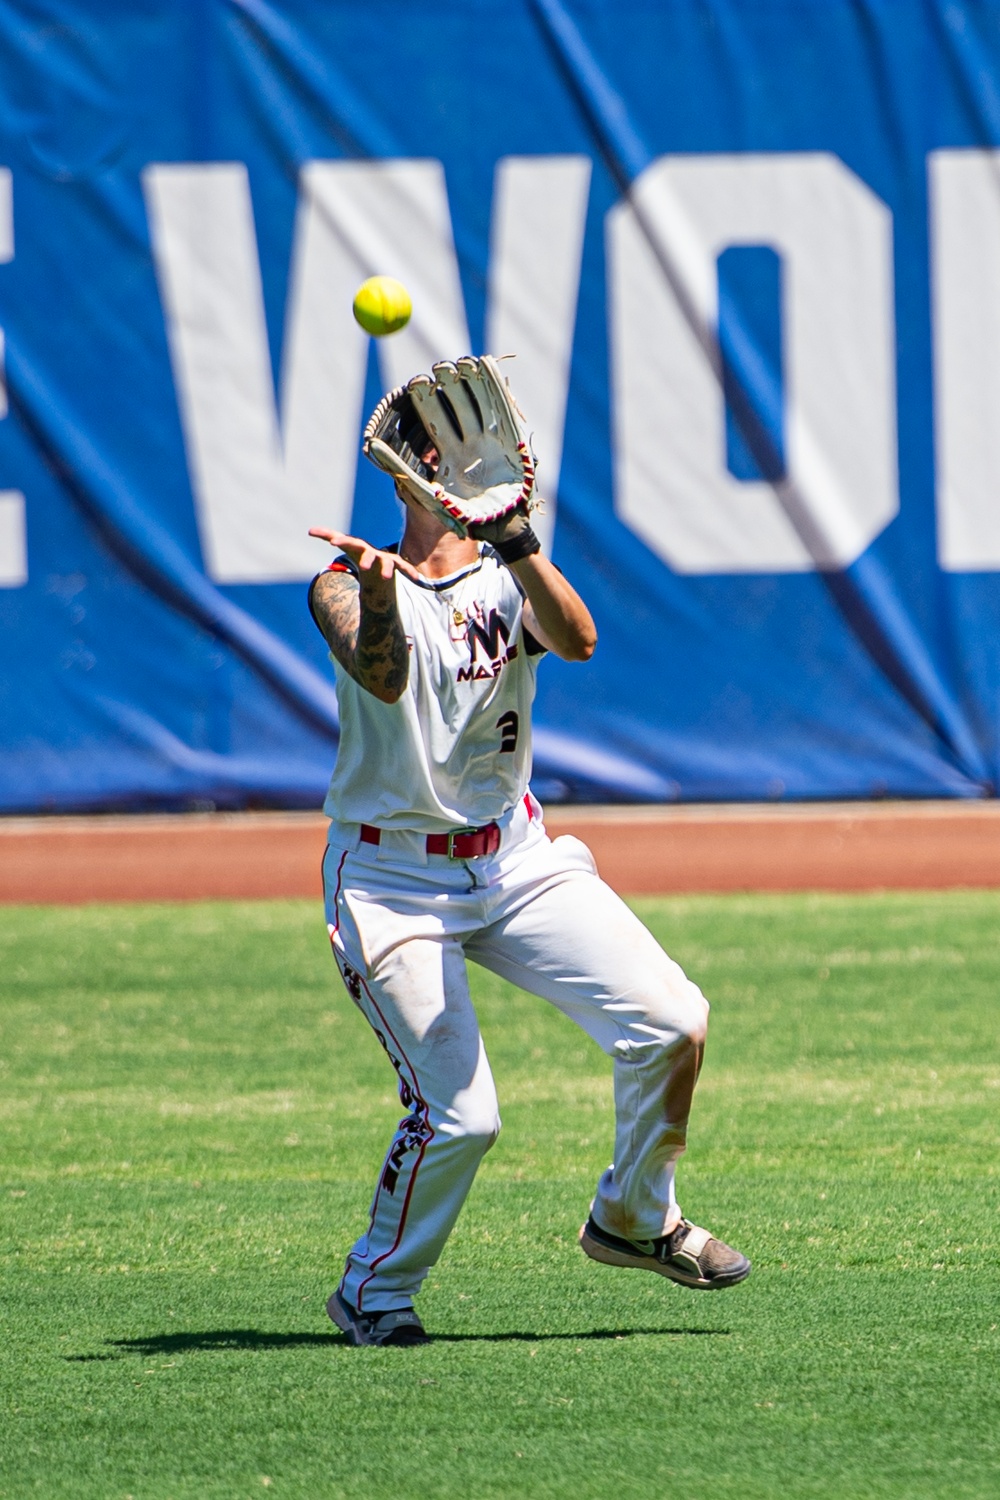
<point x="639" y="850"/>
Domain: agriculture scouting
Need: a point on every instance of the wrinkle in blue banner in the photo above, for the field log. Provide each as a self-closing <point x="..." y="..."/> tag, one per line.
<point x="747" y="256"/>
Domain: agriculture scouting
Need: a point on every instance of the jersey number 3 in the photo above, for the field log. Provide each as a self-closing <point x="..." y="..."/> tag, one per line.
<point x="508" y="726"/>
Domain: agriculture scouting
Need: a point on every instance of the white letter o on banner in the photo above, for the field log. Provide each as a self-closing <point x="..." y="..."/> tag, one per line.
<point x="672" y="486"/>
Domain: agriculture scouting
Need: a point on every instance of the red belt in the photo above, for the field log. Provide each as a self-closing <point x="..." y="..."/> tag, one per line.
<point x="467" y="843"/>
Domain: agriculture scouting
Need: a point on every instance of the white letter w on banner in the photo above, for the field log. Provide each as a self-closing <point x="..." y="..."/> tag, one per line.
<point x="260" y="479"/>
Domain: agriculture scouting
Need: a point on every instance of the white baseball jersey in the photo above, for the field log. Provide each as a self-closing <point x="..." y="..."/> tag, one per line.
<point x="455" y="750"/>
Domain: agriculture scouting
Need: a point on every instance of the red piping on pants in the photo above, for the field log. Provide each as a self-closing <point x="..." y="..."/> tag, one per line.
<point x="416" y="1165"/>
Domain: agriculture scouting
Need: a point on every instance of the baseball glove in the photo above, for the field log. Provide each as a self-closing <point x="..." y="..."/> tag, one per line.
<point x="455" y="442"/>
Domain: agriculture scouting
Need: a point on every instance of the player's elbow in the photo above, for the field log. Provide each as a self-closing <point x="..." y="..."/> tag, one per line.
<point x="387" y="687"/>
<point x="582" y="647"/>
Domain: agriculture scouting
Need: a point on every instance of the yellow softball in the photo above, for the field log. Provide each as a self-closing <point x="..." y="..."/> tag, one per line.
<point x="382" y="305"/>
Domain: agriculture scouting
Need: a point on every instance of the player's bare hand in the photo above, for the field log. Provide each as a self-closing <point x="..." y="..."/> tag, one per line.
<point x="370" y="560"/>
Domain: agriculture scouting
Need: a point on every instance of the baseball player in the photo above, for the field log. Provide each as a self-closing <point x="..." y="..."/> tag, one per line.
<point x="437" y="853"/>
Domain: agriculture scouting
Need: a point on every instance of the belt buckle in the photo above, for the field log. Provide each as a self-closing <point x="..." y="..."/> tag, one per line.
<point x="459" y="833"/>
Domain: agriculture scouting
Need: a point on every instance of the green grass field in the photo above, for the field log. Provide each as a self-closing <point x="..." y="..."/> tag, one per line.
<point x="193" y="1115"/>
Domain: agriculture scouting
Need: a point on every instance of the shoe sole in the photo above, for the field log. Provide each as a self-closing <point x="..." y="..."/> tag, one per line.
<point x="610" y="1257"/>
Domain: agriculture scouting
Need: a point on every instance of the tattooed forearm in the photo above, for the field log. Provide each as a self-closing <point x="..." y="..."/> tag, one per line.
<point x="364" y="632"/>
<point x="382" y="658"/>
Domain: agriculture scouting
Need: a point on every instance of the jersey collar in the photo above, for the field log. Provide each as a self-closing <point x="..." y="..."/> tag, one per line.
<point x="439" y="585"/>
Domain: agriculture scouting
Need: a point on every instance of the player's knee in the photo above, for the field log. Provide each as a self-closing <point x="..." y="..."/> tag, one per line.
<point x="476" y="1122"/>
<point x="484" y="1131"/>
<point x="682" y="1016"/>
<point x="696" y="1023"/>
<point x="473" y="1144"/>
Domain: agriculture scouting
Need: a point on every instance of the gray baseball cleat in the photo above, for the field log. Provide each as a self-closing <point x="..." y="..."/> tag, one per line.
<point x="687" y="1254"/>
<point x="401" y="1327"/>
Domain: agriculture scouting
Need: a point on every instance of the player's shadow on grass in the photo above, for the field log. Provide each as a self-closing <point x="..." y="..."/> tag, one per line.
<point x="576" y="1338"/>
<point x="222" y="1339"/>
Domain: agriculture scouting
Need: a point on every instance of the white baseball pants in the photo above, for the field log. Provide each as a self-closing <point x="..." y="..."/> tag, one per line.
<point x="402" y="924"/>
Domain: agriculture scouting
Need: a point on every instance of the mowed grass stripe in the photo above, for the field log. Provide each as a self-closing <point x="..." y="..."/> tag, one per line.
<point x="192" y="1117"/>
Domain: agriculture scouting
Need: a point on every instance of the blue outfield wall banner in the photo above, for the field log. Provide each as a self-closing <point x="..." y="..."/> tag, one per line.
<point x="747" y="256"/>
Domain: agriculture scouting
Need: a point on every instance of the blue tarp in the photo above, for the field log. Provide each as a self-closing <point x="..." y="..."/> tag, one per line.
<point x="747" y="256"/>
